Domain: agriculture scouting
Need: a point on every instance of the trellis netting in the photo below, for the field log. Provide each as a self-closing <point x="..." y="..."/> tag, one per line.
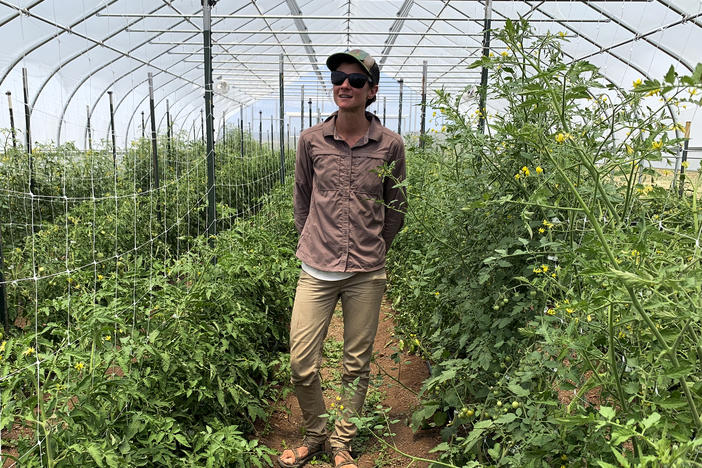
<point x="108" y="177"/>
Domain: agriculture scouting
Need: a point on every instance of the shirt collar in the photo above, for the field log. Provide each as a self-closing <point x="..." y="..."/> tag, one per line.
<point x="374" y="132"/>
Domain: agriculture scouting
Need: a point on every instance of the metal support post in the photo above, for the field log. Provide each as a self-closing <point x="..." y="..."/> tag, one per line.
<point x="399" y="109"/>
<point x="169" y="146"/>
<point x="28" y="129"/>
<point x="281" y="114"/>
<point x="241" y="130"/>
<point x="154" y="146"/>
<point x="224" y="130"/>
<point x="209" y="107"/>
<point x="302" y="107"/>
<point x="260" y="129"/>
<point x="112" y="128"/>
<point x="385" y="108"/>
<point x="686" y="145"/>
<point x="90" y="129"/>
<point x="422" y="129"/>
<point x="484" y="72"/>
<point x="12" y="120"/>
<point x="202" y="125"/>
<point x="143" y="125"/>
<point x="3" y="293"/>
<point x="310" y="104"/>
<point x="271" y="137"/>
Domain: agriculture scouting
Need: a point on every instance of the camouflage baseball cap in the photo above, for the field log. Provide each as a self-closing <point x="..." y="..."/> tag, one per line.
<point x="359" y="56"/>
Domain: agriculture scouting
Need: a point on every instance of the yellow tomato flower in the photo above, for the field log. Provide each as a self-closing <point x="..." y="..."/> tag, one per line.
<point x="539" y="170"/>
<point x="80" y="366"/>
<point x="107" y="337"/>
<point x="2" y="346"/>
<point x="637" y="83"/>
<point x="541" y="230"/>
<point x="561" y="137"/>
<point x="517" y="176"/>
<point x="544" y="268"/>
<point x="629" y="149"/>
<point x="685" y="164"/>
<point x="589" y="318"/>
<point x="505" y="54"/>
<point x="28" y="352"/>
<point x="656" y="144"/>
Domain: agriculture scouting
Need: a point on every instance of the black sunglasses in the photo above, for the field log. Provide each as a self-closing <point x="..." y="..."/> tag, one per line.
<point x="357" y="80"/>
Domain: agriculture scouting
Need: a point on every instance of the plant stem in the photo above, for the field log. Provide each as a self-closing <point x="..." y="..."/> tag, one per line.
<point x="632" y="295"/>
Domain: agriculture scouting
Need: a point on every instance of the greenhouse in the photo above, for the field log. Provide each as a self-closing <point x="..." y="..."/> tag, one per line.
<point x="534" y="167"/>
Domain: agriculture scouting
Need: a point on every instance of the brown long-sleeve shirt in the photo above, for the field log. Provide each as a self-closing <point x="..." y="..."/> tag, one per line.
<point x="339" y="201"/>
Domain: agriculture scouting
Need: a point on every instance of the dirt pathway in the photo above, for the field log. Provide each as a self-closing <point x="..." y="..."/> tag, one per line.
<point x="284" y="426"/>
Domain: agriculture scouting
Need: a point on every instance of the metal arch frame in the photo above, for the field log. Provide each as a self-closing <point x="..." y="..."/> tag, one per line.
<point x="281" y="45"/>
<point x="65" y="62"/>
<point x="13" y="17"/>
<point x="641" y="36"/>
<point x="637" y="36"/>
<point x="193" y="54"/>
<point x="121" y="54"/>
<point x="138" y="106"/>
<point x="43" y="42"/>
<point x="462" y="61"/>
<point x="616" y="56"/>
<point x="395" y="28"/>
<point x="305" y="37"/>
<point x="675" y="9"/>
<point x="195" y="108"/>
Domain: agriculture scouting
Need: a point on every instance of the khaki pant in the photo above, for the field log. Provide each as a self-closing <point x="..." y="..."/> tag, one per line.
<point x="315" y="301"/>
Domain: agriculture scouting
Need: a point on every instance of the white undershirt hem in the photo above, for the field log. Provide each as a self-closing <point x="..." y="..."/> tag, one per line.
<point x="326" y="275"/>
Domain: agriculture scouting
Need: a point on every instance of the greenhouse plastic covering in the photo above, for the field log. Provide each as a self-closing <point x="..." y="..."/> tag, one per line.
<point x="74" y="52"/>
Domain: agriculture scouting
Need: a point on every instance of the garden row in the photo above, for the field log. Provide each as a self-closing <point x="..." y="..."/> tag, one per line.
<point x="551" y="283"/>
<point x="161" y="361"/>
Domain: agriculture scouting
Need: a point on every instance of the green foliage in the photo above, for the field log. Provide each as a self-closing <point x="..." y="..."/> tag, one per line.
<point x="147" y="352"/>
<point x="544" y="273"/>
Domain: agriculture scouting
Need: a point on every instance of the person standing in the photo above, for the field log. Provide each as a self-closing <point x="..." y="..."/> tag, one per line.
<point x="347" y="216"/>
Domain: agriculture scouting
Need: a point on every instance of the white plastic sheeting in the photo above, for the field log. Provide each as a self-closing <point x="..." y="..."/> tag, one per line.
<point x="74" y="51"/>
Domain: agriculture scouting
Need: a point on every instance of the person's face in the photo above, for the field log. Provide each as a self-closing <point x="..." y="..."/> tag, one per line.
<point x="346" y="96"/>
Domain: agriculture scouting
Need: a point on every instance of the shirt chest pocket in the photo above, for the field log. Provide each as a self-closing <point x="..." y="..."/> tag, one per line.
<point x="364" y="174"/>
<point x="326" y="170"/>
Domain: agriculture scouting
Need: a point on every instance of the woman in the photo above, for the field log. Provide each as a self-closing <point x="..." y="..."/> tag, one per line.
<point x="347" y="217"/>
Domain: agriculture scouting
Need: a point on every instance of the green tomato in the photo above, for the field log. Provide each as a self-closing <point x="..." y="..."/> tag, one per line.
<point x="515" y="404"/>
<point x="499" y="404"/>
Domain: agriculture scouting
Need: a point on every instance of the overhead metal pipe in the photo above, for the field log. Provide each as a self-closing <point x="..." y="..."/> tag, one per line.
<point x="299" y="44"/>
<point x="249" y="32"/>
<point x="340" y="18"/>
<point x="302" y="54"/>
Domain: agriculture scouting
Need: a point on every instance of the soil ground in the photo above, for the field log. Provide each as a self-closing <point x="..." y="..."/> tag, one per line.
<point x="399" y="399"/>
